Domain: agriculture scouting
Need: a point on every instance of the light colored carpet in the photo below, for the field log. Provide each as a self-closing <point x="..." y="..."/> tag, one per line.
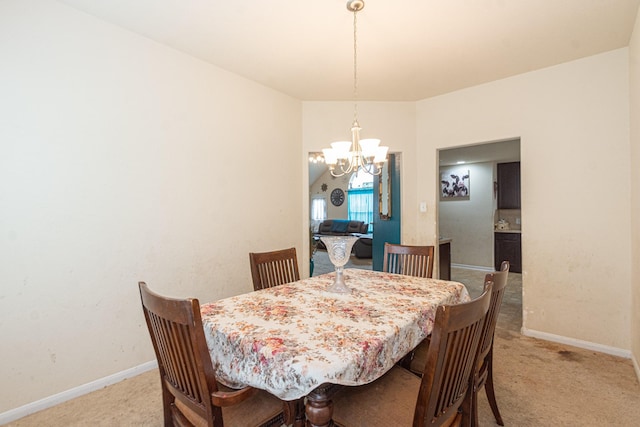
<point x="537" y="383"/>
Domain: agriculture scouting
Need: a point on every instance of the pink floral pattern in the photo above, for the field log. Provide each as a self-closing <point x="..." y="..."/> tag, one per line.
<point x="290" y="339"/>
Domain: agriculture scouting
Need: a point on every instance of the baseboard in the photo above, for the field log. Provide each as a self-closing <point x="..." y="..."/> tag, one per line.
<point x="56" y="399"/>
<point x="614" y="351"/>
<point x="473" y="267"/>
<point x="636" y="366"/>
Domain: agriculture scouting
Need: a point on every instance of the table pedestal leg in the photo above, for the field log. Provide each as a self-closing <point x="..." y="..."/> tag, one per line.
<point x="319" y="407"/>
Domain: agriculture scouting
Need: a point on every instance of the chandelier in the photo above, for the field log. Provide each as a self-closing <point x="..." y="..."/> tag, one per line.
<point x="358" y="154"/>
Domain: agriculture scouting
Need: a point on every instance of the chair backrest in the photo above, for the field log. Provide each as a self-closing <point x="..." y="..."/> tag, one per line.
<point x="498" y="280"/>
<point x="451" y="358"/>
<point x="274" y="268"/>
<point x="186" y="371"/>
<point x="408" y="260"/>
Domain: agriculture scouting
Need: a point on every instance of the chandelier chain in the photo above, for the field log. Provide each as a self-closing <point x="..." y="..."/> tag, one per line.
<point x="355" y="66"/>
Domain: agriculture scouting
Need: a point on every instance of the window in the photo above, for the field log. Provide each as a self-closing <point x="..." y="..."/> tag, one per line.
<point x="360" y="198"/>
<point x="318" y="211"/>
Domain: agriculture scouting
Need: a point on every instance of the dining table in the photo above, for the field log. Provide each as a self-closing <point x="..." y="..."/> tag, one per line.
<point x="300" y="342"/>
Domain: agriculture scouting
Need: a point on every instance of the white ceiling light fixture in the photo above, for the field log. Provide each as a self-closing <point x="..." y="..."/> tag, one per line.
<point x="350" y="156"/>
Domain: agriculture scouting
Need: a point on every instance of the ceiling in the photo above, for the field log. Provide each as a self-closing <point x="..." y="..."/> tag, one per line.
<point x="407" y="51"/>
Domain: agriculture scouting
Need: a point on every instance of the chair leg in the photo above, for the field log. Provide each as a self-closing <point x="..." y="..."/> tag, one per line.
<point x="467" y="409"/>
<point x="405" y="362"/>
<point x="488" y="388"/>
<point x="473" y="411"/>
<point x="167" y="405"/>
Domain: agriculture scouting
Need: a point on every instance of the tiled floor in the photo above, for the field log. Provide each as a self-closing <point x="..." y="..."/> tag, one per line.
<point x="510" y="317"/>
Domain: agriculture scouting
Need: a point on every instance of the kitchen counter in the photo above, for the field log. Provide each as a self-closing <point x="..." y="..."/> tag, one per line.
<point x="508" y="231"/>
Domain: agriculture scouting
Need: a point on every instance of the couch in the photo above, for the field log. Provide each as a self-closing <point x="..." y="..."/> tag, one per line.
<point x="345" y="227"/>
<point x="342" y="227"/>
<point x="363" y="248"/>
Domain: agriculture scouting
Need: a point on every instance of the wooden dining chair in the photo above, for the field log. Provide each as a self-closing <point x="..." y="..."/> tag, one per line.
<point x="483" y="376"/>
<point x="269" y="269"/>
<point x="408" y="260"/>
<point x="191" y="395"/>
<point x="442" y="397"/>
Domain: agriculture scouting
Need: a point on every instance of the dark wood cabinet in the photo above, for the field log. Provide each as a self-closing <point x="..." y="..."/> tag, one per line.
<point x="445" y="259"/>
<point x="508" y="247"/>
<point x="509" y="185"/>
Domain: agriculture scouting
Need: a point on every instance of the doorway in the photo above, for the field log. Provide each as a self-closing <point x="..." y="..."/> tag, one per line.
<point x="321" y="186"/>
<point x="469" y="219"/>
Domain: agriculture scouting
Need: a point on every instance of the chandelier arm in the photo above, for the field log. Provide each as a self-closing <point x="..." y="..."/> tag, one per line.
<point x="342" y="171"/>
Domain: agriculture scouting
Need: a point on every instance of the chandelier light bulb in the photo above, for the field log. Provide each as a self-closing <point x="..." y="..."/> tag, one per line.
<point x="330" y="157"/>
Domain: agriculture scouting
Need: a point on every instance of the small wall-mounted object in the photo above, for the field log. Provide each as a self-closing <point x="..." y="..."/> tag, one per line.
<point x="454" y="184"/>
<point x="337" y="197"/>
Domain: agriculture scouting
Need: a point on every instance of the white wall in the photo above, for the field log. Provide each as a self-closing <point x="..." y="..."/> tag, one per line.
<point x="634" y="90"/>
<point x="123" y="160"/>
<point x="469" y="223"/>
<point x="573" y="121"/>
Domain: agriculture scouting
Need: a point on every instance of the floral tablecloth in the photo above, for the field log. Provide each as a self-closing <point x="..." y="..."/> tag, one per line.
<point x="291" y="338"/>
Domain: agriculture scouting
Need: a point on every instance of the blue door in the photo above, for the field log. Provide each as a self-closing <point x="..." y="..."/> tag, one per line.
<point x="386" y="230"/>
